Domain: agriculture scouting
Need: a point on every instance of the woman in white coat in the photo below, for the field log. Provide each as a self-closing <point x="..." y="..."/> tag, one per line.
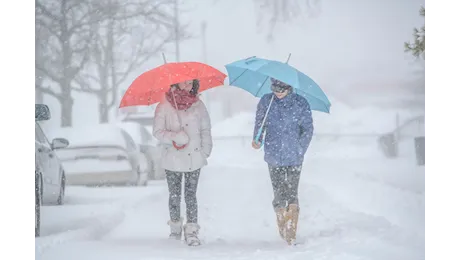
<point x="183" y="127"/>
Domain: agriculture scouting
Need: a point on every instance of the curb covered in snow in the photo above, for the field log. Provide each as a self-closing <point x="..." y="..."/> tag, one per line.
<point x="102" y="225"/>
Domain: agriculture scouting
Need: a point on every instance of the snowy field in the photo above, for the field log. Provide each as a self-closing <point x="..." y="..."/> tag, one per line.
<point x="355" y="204"/>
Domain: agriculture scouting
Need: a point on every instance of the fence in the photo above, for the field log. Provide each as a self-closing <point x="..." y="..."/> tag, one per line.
<point x="411" y="131"/>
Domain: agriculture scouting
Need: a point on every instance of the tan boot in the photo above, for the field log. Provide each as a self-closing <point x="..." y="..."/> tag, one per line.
<point x="281" y="220"/>
<point x="292" y="217"/>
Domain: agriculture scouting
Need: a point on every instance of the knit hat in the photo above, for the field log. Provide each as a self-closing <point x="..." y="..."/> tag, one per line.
<point x="279" y="86"/>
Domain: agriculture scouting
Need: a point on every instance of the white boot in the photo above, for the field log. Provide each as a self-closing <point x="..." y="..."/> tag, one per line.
<point x="191" y="234"/>
<point x="176" y="229"/>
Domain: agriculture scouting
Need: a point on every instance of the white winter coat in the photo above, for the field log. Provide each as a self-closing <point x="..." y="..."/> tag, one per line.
<point x="196" y="124"/>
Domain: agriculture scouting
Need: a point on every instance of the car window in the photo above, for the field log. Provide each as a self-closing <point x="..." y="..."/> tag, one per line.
<point x="40" y="136"/>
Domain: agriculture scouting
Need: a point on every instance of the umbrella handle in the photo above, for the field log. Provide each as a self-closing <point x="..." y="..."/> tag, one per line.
<point x="266" y="113"/>
<point x="259" y="133"/>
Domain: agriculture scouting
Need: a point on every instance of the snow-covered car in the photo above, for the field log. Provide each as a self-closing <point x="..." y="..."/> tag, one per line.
<point x="41" y="113"/>
<point x="102" y="154"/>
<point x="148" y="146"/>
<point x="52" y="173"/>
<point x="49" y="173"/>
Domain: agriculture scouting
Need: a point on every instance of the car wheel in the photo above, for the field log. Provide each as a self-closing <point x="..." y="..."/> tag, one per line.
<point x="38" y="202"/>
<point x="61" y="197"/>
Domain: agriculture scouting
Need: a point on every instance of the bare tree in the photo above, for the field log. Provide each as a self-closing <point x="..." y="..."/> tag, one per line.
<point x="133" y="33"/>
<point x="274" y="12"/>
<point x="65" y="37"/>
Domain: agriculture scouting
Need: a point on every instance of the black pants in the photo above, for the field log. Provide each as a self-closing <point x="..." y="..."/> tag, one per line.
<point x="285" y="182"/>
<point x="174" y="180"/>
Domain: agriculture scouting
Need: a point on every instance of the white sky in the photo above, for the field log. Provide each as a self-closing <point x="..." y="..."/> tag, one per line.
<point x="350" y="43"/>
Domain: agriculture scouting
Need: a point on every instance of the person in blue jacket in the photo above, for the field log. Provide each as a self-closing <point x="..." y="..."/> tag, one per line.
<point x="288" y="130"/>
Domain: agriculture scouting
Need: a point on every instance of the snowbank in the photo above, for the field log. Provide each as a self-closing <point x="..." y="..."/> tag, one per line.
<point x="240" y="125"/>
<point x="101" y="223"/>
<point x="343" y="119"/>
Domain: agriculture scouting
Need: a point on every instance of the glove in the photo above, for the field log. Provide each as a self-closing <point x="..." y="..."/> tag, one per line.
<point x="181" y="138"/>
<point x="179" y="147"/>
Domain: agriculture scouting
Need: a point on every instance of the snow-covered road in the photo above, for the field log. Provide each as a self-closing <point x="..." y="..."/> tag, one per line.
<point x="351" y="208"/>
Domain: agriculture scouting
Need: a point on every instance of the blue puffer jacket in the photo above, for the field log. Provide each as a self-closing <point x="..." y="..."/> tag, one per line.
<point x="288" y="129"/>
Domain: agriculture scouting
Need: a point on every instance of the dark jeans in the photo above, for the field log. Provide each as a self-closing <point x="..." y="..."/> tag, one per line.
<point x="285" y="182"/>
<point x="174" y="180"/>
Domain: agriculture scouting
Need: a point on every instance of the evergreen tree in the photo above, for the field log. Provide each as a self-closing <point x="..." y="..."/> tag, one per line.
<point x="418" y="46"/>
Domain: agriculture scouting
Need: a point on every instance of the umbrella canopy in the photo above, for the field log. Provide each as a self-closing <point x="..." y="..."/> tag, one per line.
<point x="149" y="87"/>
<point x="253" y="74"/>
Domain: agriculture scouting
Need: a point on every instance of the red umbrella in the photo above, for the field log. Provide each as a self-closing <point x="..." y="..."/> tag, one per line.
<point x="149" y="87"/>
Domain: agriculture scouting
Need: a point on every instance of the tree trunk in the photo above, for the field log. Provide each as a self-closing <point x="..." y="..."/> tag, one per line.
<point x="66" y="101"/>
<point x="103" y="112"/>
<point x="66" y="111"/>
<point x="107" y="77"/>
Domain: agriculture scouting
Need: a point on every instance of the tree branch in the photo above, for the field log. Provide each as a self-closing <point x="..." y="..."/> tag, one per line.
<point x="47" y="73"/>
<point x="45" y="11"/>
<point x="418" y="47"/>
<point x="47" y="91"/>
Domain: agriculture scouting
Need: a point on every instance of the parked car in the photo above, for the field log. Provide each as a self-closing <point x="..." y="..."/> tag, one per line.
<point x="40" y="113"/>
<point x="49" y="174"/>
<point x="53" y="175"/>
<point x="148" y="146"/>
<point x="102" y="154"/>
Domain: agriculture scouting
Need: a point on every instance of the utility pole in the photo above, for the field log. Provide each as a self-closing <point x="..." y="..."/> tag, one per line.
<point x="203" y="39"/>
<point x="205" y="59"/>
<point x="176" y="28"/>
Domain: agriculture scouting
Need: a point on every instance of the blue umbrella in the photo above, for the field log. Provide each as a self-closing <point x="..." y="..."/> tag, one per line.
<point x="252" y="74"/>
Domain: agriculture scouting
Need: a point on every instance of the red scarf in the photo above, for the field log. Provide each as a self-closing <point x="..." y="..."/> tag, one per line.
<point x="184" y="99"/>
